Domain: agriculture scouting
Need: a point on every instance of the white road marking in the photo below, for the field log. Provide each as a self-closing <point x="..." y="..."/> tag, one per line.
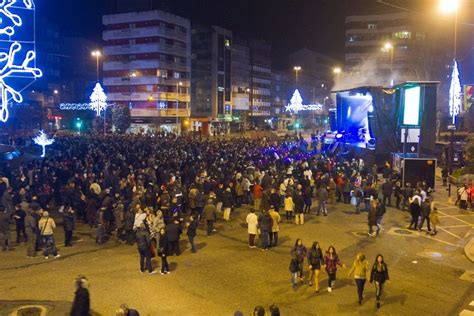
<point x="454" y="226"/>
<point x="447" y="215"/>
<point x="439" y="240"/>
<point x="448" y="232"/>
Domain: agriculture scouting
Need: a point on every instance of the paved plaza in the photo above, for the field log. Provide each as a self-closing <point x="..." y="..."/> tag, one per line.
<point x="429" y="275"/>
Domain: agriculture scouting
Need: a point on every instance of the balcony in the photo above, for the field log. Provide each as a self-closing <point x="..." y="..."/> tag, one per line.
<point x="144" y="48"/>
<point x="144" y="96"/>
<point x="149" y="80"/>
<point x="144" y="64"/>
<point x="159" y="113"/>
<point x="150" y="31"/>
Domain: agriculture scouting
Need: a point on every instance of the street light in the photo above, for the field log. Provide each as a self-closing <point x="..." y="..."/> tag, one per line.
<point x="388" y="47"/>
<point x="56" y="92"/>
<point x="297" y="70"/>
<point x="97" y="54"/>
<point x="178" y="84"/>
<point x="337" y="71"/>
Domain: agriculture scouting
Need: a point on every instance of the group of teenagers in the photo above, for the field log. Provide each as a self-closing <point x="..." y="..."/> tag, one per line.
<point x="330" y="261"/>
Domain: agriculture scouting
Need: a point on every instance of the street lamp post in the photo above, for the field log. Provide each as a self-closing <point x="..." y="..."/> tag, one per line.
<point x="97" y="54"/>
<point x="178" y="84"/>
<point x="449" y="7"/>
<point x="297" y="70"/>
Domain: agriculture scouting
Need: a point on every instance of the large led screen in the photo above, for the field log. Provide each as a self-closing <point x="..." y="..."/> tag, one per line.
<point x="353" y="116"/>
<point x="411" y="113"/>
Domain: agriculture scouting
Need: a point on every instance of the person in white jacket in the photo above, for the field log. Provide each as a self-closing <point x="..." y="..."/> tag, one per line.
<point x="252" y="222"/>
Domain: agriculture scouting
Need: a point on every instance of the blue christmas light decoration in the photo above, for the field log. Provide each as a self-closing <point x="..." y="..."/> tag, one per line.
<point x="17" y="51"/>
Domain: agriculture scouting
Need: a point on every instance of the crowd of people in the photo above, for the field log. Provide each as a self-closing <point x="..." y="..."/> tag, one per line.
<point x="150" y="189"/>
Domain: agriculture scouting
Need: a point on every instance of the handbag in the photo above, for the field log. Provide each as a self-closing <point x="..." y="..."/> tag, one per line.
<point x="353" y="201"/>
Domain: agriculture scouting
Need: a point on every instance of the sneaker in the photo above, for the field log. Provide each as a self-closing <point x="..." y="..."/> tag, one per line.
<point x="167" y="272"/>
<point x="141" y="271"/>
<point x="329" y="290"/>
<point x="46" y="257"/>
<point x="57" y="256"/>
<point x="162" y="273"/>
<point x="153" y="272"/>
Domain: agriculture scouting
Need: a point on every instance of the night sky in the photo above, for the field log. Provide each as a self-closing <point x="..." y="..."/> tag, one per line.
<point x="287" y="24"/>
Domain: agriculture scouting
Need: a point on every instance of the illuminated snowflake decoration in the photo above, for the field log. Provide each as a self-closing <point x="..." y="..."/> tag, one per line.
<point x="296" y="104"/>
<point x="455" y="99"/>
<point x="43" y="140"/>
<point x="98" y="99"/>
<point x="13" y="61"/>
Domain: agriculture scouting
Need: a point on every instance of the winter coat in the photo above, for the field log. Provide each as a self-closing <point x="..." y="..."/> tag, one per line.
<point x="315" y="258"/>
<point x="294" y="265"/>
<point x="4" y="222"/>
<point x="46" y="226"/>
<point x="379" y="273"/>
<point x="276" y="219"/>
<point x="193" y="225"/>
<point x="173" y="231"/>
<point x="68" y="221"/>
<point x="227" y="200"/>
<point x="265" y="223"/>
<point x="332" y="263"/>
<point x="252" y="223"/>
<point x="299" y="251"/>
<point x="322" y="194"/>
<point x="142" y="237"/>
<point x="289" y="205"/>
<point x="81" y="303"/>
<point x="210" y="212"/>
<point x="163" y="245"/>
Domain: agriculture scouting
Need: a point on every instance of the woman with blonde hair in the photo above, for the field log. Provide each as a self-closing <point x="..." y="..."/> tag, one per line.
<point x="360" y="270"/>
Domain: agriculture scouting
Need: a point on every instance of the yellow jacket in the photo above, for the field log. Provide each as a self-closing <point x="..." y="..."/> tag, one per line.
<point x="46" y="226"/>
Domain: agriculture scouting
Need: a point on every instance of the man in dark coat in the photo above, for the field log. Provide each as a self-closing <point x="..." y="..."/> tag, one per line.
<point x="265" y="224"/>
<point x="173" y="230"/>
<point x="210" y="215"/>
<point x="81" y="303"/>
<point x="31" y="228"/>
<point x="387" y="190"/>
<point x="4" y="228"/>
<point x="69" y="225"/>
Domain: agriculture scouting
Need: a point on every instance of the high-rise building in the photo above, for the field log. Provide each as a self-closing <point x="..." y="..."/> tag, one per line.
<point x="240" y="80"/>
<point x="211" y="78"/>
<point x="147" y="65"/>
<point x="260" y="80"/>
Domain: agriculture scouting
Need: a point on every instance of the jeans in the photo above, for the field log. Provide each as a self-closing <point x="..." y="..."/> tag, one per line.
<point x="251" y="240"/>
<point x="67" y="237"/>
<point x="294" y="276"/>
<point x="191" y="241"/>
<point x="145" y="255"/>
<point x="322" y="207"/>
<point x="210" y="227"/>
<point x="387" y="200"/>
<point x="31" y="250"/>
<point x="360" y="288"/>
<point x="5" y="240"/>
<point x="273" y="239"/>
<point x="289" y="214"/>
<point x="414" y="220"/>
<point x="428" y="223"/>
<point x="367" y="204"/>
<point x="378" y="290"/>
<point x="48" y="242"/>
<point x="19" y="232"/>
<point x="331" y="279"/>
<point x="164" y="264"/>
<point x="265" y="239"/>
<point x="299" y="219"/>
<point x="174" y="247"/>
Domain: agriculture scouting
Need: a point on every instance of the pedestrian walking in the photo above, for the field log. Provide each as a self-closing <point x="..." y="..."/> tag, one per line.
<point x="192" y="226"/>
<point x="299" y="251"/>
<point x="19" y="216"/>
<point x="322" y="196"/>
<point x="294" y="269"/>
<point x="379" y="275"/>
<point x="372" y="217"/>
<point x="331" y="261"/>
<point x="5" y="219"/>
<point x="425" y="215"/>
<point x="31" y="228"/>
<point x="69" y="225"/>
<point x="276" y="220"/>
<point x="434" y="218"/>
<point x="381" y="209"/>
<point x="143" y="240"/>
<point x="315" y="261"/>
<point x="360" y="270"/>
<point x="47" y="226"/>
<point x="163" y="251"/>
<point x="210" y="215"/>
<point x="252" y="227"/>
<point x="415" y="206"/>
<point x="81" y="303"/>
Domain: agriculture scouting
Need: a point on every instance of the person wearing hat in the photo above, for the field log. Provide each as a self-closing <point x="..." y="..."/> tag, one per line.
<point x="47" y="226"/>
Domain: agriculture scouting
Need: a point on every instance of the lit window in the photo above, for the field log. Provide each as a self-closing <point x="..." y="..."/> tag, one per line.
<point x="227" y="43"/>
<point x="372" y="26"/>
<point x="176" y="75"/>
<point x="158" y="73"/>
<point x="402" y="35"/>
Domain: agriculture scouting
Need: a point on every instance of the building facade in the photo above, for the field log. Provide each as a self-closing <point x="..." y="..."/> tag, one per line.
<point x="147" y="65"/>
<point x="260" y="80"/>
<point x="212" y="78"/>
<point x="240" y="81"/>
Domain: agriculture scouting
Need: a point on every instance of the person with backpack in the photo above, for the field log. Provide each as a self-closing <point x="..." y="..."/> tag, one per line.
<point x="315" y="261"/>
<point x="299" y="251"/>
<point x="294" y="269"/>
<point x="378" y="276"/>
<point x="360" y="270"/>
